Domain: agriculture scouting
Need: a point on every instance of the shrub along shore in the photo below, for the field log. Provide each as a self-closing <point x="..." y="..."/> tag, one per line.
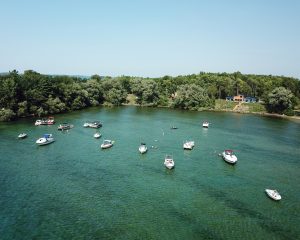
<point x="35" y="94"/>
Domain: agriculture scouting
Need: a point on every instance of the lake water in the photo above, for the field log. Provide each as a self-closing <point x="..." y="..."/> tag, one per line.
<point x="71" y="189"/>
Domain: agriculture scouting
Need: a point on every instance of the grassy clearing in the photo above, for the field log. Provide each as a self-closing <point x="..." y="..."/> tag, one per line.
<point x="256" y="107"/>
<point x="224" y="105"/>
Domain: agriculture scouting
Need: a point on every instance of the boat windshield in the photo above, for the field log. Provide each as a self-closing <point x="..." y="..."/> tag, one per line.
<point x="228" y="152"/>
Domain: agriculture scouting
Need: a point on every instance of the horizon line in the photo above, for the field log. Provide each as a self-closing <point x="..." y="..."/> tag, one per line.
<point x="137" y="76"/>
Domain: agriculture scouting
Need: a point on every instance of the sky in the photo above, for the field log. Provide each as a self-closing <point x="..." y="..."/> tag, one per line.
<point x="150" y="38"/>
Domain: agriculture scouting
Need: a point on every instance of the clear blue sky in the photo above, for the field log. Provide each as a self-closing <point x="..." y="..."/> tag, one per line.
<point x="150" y="38"/>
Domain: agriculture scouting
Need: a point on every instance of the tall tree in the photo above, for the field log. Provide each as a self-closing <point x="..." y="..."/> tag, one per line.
<point x="192" y="97"/>
<point x="280" y="100"/>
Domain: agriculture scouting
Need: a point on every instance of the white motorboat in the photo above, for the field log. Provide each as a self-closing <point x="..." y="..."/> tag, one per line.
<point x="97" y="135"/>
<point x="48" y="121"/>
<point x="64" y="126"/>
<point x="95" y="124"/>
<point x="273" y="194"/>
<point x="107" y="144"/>
<point x="169" y="162"/>
<point x="143" y="148"/>
<point x="46" y="139"/>
<point x="22" y="135"/>
<point x="205" y="124"/>
<point x="229" y="156"/>
<point x="189" y="145"/>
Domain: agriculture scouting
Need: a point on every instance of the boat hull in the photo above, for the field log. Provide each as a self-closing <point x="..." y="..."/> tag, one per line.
<point x="273" y="194"/>
<point x="49" y="121"/>
<point x="229" y="159"/>
<point x="94" y="126"/>
<point x="143" y="149"/>
<point x="169" y="163"/>
<point x="188" y="145"/>
<point x="169" y="166"/>
<point x="22" y="136"/>
<point x="64" y="127"/>
<point x="105" y="146"/>
<point x="44" y="141"/>
<point x="97" y="136"/>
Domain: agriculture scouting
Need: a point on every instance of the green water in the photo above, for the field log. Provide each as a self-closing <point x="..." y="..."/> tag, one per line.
<point x="71" y="189"/>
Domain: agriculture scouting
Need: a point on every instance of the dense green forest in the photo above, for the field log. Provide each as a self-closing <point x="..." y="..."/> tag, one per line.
<point x="35" y="94"/>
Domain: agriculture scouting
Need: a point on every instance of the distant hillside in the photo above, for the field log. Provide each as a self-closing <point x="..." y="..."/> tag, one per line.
<point x="72" y="76"/>
<point x="4" y="73"/>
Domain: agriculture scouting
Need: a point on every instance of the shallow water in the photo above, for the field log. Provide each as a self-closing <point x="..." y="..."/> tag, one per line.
<point x="71" y="189"/>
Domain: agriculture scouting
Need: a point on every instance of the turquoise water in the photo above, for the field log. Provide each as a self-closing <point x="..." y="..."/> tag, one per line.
<point x="71" y="189"/>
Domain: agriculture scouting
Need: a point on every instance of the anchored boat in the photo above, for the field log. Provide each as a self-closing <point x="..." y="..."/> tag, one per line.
<point x="188" y="145"/>
<point x="143" y="148"/>
<point x="107" y="144"/>
<point x="64" y="126"/>
<point x="97" y="135"/>
<point x="46" y="139"/>
<point x="229" y="156"/>
<point x="169" y="162"/>
<point x="273" y="194"/>
<point x="205" y="124"/>
<point x="45" y="121"/>
<point x="94" y="124"/>
<point x="22" y="135"/>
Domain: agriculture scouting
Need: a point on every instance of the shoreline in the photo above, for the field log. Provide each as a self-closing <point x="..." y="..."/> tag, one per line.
<point x="263" y="114"/>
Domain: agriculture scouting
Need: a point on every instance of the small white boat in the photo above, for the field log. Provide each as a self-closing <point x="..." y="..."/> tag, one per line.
<point x="189" y="145"/>
<point x="143" y="148"/>
<point x="169" y="162"/>
<point x="22" y="135"/>
<point x="95" y="124"/>
<point x="229" y="156"/>
<point x="273" y="194"/>
<point x="97" y="135"/>
<point x="205" y="124"/>
<point x="44" y="121"/>
<point x="64" y="126"/>
<point x="107" y="144"/>
<point x="46" y="139"/>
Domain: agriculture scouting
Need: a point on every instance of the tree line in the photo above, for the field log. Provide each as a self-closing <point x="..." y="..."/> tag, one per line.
<point x="35" y="94"/>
